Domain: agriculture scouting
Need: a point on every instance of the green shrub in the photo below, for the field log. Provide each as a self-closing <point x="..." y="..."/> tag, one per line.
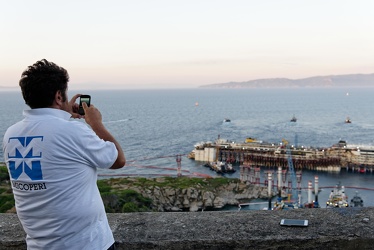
<point x="4" y="175"/>
<point x="104" y="186"/>
<point x="129" y="207"/>
<point x="6" y="202"/>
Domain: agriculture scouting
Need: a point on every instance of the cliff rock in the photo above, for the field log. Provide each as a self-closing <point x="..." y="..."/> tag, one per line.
<point x="196" y="197"/>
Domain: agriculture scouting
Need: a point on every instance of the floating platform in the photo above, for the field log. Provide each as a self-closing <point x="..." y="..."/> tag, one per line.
<point x="262" y="154"/>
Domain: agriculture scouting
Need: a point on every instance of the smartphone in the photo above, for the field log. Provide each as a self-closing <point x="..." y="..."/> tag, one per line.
<point x="86" y="99"/>
<point x="295" y="223"/>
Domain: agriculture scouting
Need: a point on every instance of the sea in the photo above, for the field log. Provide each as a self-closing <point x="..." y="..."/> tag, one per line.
<point x="154" y="127"/>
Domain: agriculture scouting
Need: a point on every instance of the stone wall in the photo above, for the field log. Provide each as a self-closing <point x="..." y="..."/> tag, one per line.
<point x="335" y="228"/>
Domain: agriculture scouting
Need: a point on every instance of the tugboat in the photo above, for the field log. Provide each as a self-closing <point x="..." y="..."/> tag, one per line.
<point x="293" y="119"/>
<point x="214" y="167"/>
<point x="220" y="167"/>
<point x="228" y="168"/>
<point x="356" y="201"/>
<point x="337" y="197"/>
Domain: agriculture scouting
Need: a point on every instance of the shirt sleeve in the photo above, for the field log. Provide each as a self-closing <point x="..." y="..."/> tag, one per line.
<point x="97" y="152"/>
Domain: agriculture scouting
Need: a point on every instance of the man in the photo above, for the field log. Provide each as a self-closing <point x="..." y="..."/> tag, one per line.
<point x="52" y="163"/>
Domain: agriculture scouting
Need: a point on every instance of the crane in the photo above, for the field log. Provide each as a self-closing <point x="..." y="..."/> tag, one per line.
<point x="291" y="169"/>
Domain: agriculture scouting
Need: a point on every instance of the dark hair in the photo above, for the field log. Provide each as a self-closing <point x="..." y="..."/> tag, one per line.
<point x="40" y="83"/>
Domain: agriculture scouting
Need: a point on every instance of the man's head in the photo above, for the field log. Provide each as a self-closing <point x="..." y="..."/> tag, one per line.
<point x="40" y="83"/>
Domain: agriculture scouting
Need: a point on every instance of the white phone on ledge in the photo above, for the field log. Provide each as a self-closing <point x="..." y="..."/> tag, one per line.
<point x="294" y="223"/>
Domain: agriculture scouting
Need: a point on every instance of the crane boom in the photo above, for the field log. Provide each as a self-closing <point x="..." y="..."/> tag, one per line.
<point x="291" y="169"/>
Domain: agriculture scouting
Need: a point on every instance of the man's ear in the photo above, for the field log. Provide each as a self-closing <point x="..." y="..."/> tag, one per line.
<point x="59" y="98"/>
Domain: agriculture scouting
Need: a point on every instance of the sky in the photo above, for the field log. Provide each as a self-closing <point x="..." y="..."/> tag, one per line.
<point x="186" y="44"/>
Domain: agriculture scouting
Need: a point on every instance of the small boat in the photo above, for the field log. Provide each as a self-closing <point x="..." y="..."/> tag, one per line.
<point x="220" y="167"/>
<point x="337" y="197"/>
<point x="281" y="204"/>
<point x="293" y="119"/>
<point x="348" y="120"/>
<point x="226" y="120"/>
<point x="228" y="168"/>
<point x="356" y="201"/>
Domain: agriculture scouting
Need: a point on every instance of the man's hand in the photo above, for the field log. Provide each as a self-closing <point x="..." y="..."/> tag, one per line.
<point x="74" y="107"/>
<point x="92" y="115"/>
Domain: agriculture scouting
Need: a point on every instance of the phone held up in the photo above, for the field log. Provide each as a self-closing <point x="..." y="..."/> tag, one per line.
<point x="86" y="99"/>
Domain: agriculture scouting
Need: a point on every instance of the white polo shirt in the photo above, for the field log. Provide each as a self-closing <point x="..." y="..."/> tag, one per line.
<point x="52" y="163"/>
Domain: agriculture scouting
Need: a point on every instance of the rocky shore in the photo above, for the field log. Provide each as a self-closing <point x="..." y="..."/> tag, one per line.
<point x="164" y="194"/>
<point x="186" y="194"/>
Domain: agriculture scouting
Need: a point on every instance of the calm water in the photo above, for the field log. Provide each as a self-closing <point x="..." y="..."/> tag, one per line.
<point x="154" y="125"/>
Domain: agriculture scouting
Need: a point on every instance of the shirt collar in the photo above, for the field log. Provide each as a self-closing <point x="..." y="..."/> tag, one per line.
<point x="36" y="113"/>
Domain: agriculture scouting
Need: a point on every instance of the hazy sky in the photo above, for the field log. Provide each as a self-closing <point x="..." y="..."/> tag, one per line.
<point x="162" y="43"/>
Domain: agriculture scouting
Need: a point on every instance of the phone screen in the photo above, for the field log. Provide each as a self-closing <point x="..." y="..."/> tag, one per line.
<point x="86" y="99"/>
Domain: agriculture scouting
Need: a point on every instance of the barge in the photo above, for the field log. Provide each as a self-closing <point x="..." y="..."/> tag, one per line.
<point x="272" y="155"/>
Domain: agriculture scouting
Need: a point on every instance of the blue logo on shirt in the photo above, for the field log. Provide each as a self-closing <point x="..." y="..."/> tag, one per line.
<point x="24" y="158"/>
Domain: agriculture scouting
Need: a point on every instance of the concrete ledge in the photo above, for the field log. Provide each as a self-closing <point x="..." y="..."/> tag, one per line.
<point x="338" y="228"/>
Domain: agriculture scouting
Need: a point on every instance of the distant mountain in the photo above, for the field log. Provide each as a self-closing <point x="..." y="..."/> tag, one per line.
<point x="353" y="80"/>
<point x="8" y="87"/>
